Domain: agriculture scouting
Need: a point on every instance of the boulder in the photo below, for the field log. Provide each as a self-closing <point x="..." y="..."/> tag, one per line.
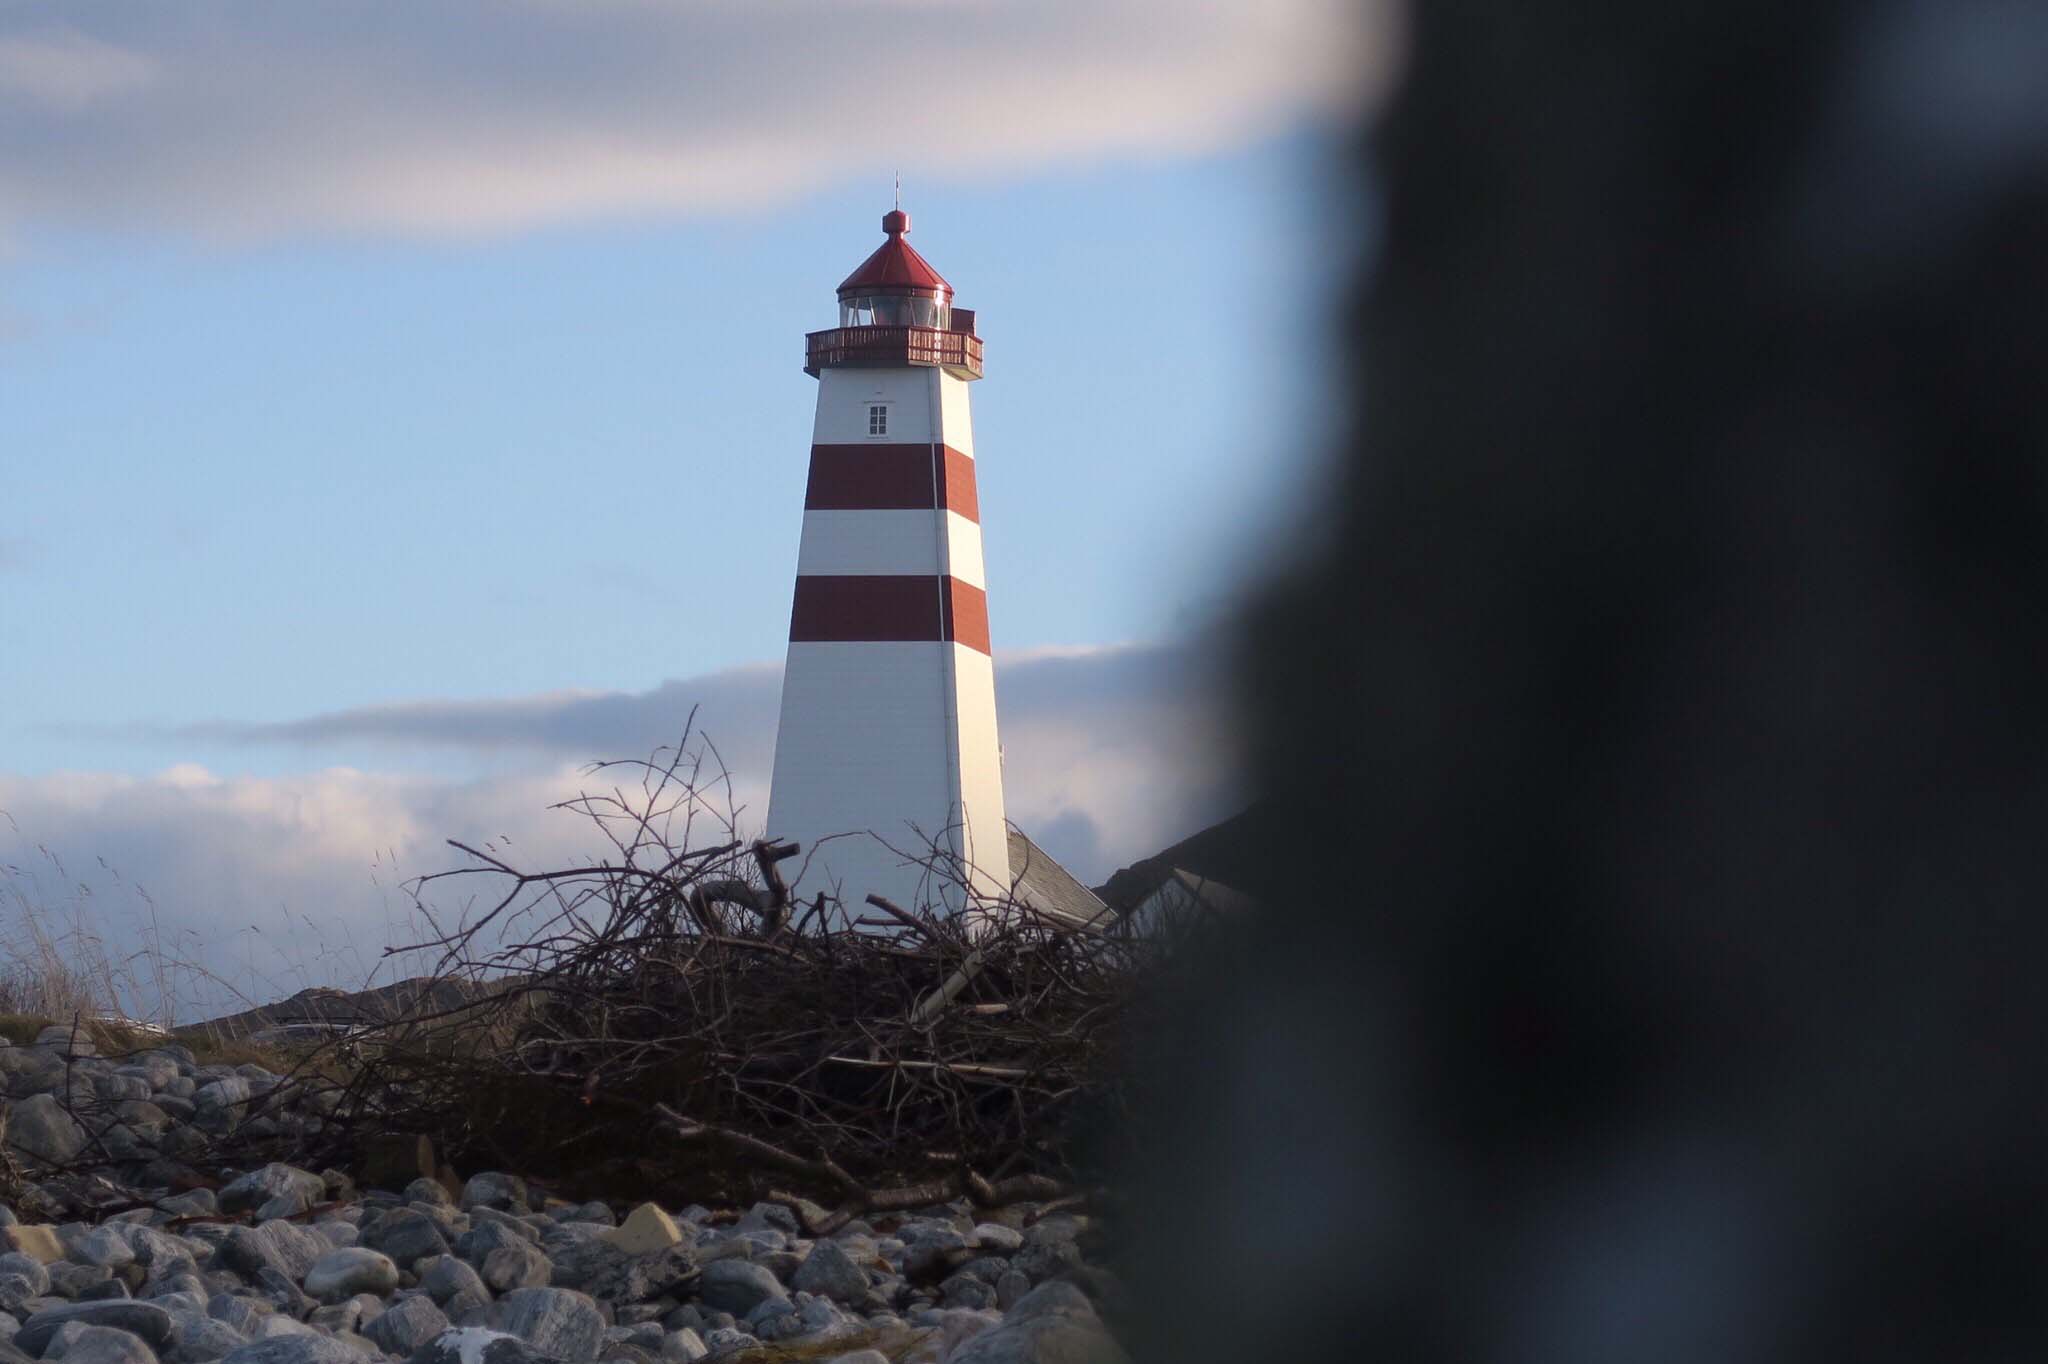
<point x="447" y="1275"/>
<point x="345" y="1272"/>
<point x="289" y="1249"/>
<point x="260" y="1186"/>
<point x="512" y="1267"/>
<point x="493" y="1189"/>
<point x="555" y="1321"/>
<point x="406" y="1235"/>
<point x="647" y="1228"/>
<point x="1053" y="1324"/>
<point x="406" y="1325"/>
<point x="831" y="1273"/>
<point x="737" y="1286"/>
<point x="144" y="1319"/>
<point x="82" y="1344"/>
<point x="38" y="1127"/>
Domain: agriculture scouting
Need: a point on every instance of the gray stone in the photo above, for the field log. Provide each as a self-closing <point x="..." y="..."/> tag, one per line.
<point x="582" y="1262"/>
<point x="337" y="1233"/>
<point x="830" y="1272"/>
<point x="644" y="1277"/>
<point x="345" y="1272"/>
<point x="965" y="1290"/>
<point x="527" y="1226"/>
<point x="646" y="1336"/>
<point x="281" y="1292"/>
<point x="143" y="1319"/>
<point x="39" y="1127"/>
<point x="29" y="1268"/>
<point x="283" y="1246"/>
<point x="764" y="1216"/>
<point x="516" y="1266"/>
<point x="406" y="1235"/>
<point x="67" y="1039"/>
<point x="1053" y="1324"/>
<point x="594" y="1212"/>
<point x="737" y="1286"/>
<point x="259" y="1186"/>
<point x="406" y="1325"/>
<point x="725" y="1340"/>
<point x="69" y="1279"/>
<point x="238" y="1310"/>
<point x="104" y="1246"/>
<point x="861" y="1357"/>
<point x="476" y="1244"/>
<point x="221" y="1094"/>
<point x="997" y="1239"/>
<point x="492" y="1189"/>
<point x="299" y="1347"/>
<point x="685" y="1347"/>
<point x="200" y="1340"/>
<point x="447" y="1275"/>
<point x="82" y="1344"/>
<point x="424" y="1190"/>
<point x="1011" y="1286"/>
<point x="556" y="1321"/>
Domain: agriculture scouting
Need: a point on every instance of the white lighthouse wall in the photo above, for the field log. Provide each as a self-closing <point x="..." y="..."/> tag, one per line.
<point x="864" y="747"/>
<point x="954" y="416"/>
<point x="911" y="395"/>
<point x="985" y="844"/>
<point x="882" y="736"/>
<point x="905" y="542"/>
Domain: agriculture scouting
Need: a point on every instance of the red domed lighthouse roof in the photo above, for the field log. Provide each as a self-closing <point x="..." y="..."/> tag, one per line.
<point x="895" y="267"/>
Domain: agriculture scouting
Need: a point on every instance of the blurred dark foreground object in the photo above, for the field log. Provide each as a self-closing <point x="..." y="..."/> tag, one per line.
<point x="1659" y="967"/>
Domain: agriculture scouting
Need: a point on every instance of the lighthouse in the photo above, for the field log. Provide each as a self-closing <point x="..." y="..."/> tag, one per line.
<point x="888" y="769"/>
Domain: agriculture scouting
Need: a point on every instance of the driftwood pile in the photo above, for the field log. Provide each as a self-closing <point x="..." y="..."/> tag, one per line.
<point x="668" y="1020"/>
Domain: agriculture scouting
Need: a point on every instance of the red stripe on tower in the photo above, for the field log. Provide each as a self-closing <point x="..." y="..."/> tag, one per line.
<point x="862" y="609"/>
<point x="891" y="478"/>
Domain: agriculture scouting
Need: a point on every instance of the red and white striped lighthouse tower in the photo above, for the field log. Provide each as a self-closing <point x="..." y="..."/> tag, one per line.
<point x="888" y="727"/>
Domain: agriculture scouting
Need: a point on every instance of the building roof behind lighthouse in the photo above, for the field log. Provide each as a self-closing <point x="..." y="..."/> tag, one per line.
<point x="895" y="266"/>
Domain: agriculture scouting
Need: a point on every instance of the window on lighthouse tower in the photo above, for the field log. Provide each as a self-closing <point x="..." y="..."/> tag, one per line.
<point x="878" y="419"/>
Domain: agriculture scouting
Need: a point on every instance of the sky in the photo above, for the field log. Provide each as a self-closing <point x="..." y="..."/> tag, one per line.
<point x="401" y="407"/>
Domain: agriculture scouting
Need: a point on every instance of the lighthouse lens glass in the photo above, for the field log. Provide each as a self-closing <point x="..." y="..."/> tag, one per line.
<point x="895" y="310"/>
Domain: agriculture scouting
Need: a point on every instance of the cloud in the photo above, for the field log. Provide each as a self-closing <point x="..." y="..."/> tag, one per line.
<point x="63" y="70"/>
<point x="279" y="882"/>
<point x="1109" y="752"/>
<point x="239" y="117"/>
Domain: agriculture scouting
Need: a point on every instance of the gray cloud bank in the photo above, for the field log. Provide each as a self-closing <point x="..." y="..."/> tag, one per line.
<point x="247" y="117"/>
<point x="271" y="883"/>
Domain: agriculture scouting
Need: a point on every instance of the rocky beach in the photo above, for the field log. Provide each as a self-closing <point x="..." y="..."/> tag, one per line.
<point x="127" y="1242"/>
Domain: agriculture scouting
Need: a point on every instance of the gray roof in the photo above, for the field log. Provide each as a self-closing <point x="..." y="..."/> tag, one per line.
<point x="1049" y="888"/>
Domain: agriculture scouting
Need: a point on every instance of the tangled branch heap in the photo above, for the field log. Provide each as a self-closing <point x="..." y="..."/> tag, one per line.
<point x="668" y="1019"/>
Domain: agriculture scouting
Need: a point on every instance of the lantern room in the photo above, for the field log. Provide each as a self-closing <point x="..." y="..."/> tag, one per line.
<point x="895" y="310"/>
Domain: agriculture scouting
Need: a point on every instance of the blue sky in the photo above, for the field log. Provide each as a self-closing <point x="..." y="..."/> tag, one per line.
<point x="390" y="423"/>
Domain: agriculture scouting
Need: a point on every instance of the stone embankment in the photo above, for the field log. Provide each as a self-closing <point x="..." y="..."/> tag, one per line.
<point x="116" y="1251"/>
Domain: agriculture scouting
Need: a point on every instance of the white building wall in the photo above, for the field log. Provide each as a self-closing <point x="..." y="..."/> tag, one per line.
<point x="892" y="739"/>
<point x="842" y="542"/>
<point x="912" y="396"/>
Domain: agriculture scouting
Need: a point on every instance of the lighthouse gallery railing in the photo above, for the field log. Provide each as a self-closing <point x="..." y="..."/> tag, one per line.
<point x="888" y="347"/>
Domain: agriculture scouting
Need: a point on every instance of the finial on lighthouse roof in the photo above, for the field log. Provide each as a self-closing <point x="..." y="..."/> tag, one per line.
<point x="895" y="222"/>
